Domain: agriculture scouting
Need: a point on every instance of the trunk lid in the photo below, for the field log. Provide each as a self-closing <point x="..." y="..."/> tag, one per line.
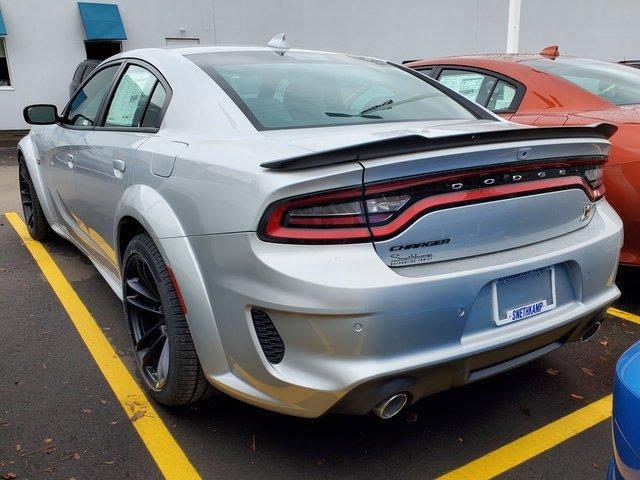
<point x="441" y="192"/>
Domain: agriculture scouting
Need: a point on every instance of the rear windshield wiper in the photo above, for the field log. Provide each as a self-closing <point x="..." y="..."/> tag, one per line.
<point x="387" y="104"/>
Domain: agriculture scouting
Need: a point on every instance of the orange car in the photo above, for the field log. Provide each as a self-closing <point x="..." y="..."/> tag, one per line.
<point x="547" y="89"/>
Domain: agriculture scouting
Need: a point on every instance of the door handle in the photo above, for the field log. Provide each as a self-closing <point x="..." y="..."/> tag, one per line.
<point x="118" y="168"/>
<point x="119" y="165"/>
<point x="69" y="160"/>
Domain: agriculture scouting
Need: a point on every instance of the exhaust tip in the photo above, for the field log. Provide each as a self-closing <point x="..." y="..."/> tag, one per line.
<point x="590" y="331"/>
<point x="391" y="406"/>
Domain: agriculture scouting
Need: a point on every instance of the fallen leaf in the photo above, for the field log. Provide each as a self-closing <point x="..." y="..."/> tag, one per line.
<point x="460" y="440"/>
<point x="48" y="440"/>
<point x="596" y="466"/>
<point x="76" y="456"/>
<point x="86" y="411"/>
<point x="109" y="462"/>
<point x="588" y="371"/>
<point x="604" y="342"/>
<point x="552" y="371"/>
<point x="102" y="401"/>
<point x="18" y="447"/>
<point x="9" y="476"/>
<point x="411" y="417"/>
<point x="526" y="411"/>
<point x="136" y="416"/>
<point x="575" y="395"/>
<point x="320" y="461"/>
<point x="115" y="422"/>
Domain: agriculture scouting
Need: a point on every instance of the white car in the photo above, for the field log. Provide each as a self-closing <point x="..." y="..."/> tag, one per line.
<point x="313" y="232"/>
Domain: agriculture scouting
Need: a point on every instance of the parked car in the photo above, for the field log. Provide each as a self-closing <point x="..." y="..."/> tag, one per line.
<point x="630" y="63"/>
<point x="82" y="72"/>
<point x="313" y="232"/>
<point x="548" y="89"/>
<point x="626" y="430"/>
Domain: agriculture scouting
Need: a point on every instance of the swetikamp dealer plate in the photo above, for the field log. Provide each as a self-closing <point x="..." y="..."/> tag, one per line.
<point x="523" y="295"/>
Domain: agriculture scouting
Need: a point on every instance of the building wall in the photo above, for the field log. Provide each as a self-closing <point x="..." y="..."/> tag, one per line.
<point x="45" y="38"/>
<point x="397" y="29"/>
<point x="45" y="43"/>
<point x="603" y="29"/>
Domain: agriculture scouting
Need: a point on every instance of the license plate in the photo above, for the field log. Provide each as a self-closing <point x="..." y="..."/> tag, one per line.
<point x="523" y="295"/>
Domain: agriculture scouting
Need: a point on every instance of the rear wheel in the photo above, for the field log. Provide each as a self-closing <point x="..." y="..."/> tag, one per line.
<point x="37" y="224"/>
<point x="162" y="343"/>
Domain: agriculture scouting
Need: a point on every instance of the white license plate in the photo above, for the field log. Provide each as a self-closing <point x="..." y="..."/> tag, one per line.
<point x="523" y="295"/>
<point x="526" y="311"/>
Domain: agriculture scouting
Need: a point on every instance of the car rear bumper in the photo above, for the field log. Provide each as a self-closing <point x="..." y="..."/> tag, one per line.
<point x="354" y="329"/>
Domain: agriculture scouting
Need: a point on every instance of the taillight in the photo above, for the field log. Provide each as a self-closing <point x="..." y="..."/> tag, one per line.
<point x="382" y="210"/>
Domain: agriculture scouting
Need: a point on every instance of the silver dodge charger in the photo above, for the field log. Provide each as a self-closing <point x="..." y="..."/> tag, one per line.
<point x="312" y="232"/>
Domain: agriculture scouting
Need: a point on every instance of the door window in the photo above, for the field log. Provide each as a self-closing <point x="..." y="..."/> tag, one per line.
<point x="137" y="101"/>
<point x="83" y="109"/>
<point x="474" y="86"/>
<point x="426" y="71"/>
<point x="502" y="97"/>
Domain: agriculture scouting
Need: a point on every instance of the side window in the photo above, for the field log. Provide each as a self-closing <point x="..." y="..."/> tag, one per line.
<point x="426" y="70"/>
<point x="502" y="97"/>
<point x="474" y="86"/>
<point x="151" y="117"/>
<point x="131" y="98"/>
<point x="83" y="109"/>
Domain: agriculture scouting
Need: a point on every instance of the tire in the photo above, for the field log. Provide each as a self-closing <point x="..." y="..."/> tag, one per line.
<point x="169" y="367"/>
<point x="34" y="218"/>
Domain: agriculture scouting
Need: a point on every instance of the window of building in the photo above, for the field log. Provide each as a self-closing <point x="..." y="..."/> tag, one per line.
<point x="5" y="81"/>
<point x="181" y="42"/>
<point x="102" y="49"/>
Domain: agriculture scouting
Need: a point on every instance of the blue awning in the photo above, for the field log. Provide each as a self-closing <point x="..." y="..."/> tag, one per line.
<point x="102" y="21"/>
<point x="3" y="29"/>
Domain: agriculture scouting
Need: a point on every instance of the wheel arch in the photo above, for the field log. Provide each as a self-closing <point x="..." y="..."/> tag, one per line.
<point x="142" y="209"/>
<point x="27" y="152"/>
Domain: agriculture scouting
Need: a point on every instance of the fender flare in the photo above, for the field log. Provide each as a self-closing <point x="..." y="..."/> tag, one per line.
<point x="152" y="211"/>
<point x="27" y="150"/>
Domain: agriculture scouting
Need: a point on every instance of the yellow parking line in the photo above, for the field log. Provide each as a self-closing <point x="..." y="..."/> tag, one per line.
<point x="525" y="448"/>
<point x="624" y="315"/>
<point x="171" y="460"/>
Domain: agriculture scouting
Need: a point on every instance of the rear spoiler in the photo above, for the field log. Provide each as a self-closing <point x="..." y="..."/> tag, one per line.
<point x="417" y="143"/>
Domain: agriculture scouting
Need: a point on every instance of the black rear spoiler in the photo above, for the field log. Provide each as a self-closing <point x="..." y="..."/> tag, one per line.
<point x="417" y="143"/>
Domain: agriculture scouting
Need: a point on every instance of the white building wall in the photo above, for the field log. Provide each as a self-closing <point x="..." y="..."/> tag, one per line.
<point x="45" y="43"/>
<point x="602" y="29"/>
<point x="45" y="38"/>
<point x="396" y="30"/>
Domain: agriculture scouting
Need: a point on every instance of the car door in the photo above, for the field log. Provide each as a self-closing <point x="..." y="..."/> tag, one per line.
<point x="494" y="92"/>
<point x="77" y="120"/>
<point x="104" y="158"/>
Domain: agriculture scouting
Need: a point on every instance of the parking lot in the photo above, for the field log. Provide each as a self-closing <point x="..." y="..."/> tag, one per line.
<point x="64" y="414"/>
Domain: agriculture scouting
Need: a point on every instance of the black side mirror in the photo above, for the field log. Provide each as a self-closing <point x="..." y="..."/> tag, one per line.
<point x="41" y="114"/>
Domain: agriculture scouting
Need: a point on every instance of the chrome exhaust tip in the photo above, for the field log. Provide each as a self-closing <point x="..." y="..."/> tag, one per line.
<point x="590" y="332"/>
<point x="391" y="406"/>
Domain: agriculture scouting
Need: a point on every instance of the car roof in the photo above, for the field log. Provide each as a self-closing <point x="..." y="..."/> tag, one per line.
<point x="167" y="52"/>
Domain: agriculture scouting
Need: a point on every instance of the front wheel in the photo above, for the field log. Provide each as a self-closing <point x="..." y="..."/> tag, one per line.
<point x="162" y="343"/>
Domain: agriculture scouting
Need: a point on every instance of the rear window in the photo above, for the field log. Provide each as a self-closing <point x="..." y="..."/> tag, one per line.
<point x="309" y="89"/>
<point x="615" y="83"/>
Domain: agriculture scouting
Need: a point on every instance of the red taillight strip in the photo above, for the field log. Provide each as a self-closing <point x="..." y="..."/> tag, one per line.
<point x="448" y="200"/>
